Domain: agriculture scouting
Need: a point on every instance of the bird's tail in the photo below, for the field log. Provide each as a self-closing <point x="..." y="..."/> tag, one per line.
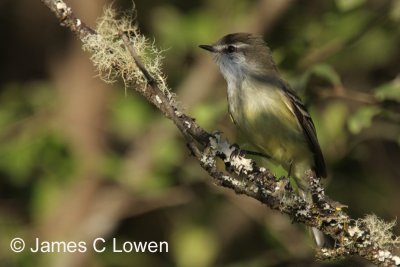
<point x="320" y="238"/>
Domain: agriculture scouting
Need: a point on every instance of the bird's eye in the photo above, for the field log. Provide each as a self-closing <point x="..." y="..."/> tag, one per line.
<point x="231" y="49"/>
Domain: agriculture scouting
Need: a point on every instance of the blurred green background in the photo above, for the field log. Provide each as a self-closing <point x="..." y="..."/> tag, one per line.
<point x="80" y="159"/>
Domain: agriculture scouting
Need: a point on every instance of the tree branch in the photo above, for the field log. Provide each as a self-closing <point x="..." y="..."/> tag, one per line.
<point x="368" y="237"/>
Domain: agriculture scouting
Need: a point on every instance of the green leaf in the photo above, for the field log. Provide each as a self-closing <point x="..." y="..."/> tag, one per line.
<point x="362" y="119"/>
<point x="346" y="5"/>
<point x="323" y="71"/>
<point x="327" y="72"/>
<point x="389" y="91"/>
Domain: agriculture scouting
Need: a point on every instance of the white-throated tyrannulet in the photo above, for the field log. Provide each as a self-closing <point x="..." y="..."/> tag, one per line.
<point x="265" y="109"/>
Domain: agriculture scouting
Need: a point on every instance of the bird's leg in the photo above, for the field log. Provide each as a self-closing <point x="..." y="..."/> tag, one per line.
<point x="255" y="153"/>
<point x="243" y="152"/>
<point x="237" y="151"/>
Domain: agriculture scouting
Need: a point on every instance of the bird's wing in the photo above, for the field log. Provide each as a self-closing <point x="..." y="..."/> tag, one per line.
<point x="298" y="109"/>
<point x="308" y="127"/>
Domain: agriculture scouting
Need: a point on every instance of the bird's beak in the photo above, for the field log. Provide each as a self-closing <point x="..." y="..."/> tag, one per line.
<point x="208" y="48"/>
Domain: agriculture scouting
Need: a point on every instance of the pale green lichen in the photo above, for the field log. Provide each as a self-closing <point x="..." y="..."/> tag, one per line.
<point x="113" y="60"/>
<point x="381" y="232"/>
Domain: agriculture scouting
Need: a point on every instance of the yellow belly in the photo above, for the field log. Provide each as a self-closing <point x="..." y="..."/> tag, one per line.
<point x="266" y="119"/>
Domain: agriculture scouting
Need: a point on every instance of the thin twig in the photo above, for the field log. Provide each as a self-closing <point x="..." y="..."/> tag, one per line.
<point x="136" y="58"/>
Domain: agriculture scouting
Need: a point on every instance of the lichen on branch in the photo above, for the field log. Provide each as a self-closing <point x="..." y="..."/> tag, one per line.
<point x="381" y="232"/>
<point x="111" y="57"/>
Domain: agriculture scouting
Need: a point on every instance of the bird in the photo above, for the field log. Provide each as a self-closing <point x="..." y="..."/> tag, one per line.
<point x="267" y="111"/>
